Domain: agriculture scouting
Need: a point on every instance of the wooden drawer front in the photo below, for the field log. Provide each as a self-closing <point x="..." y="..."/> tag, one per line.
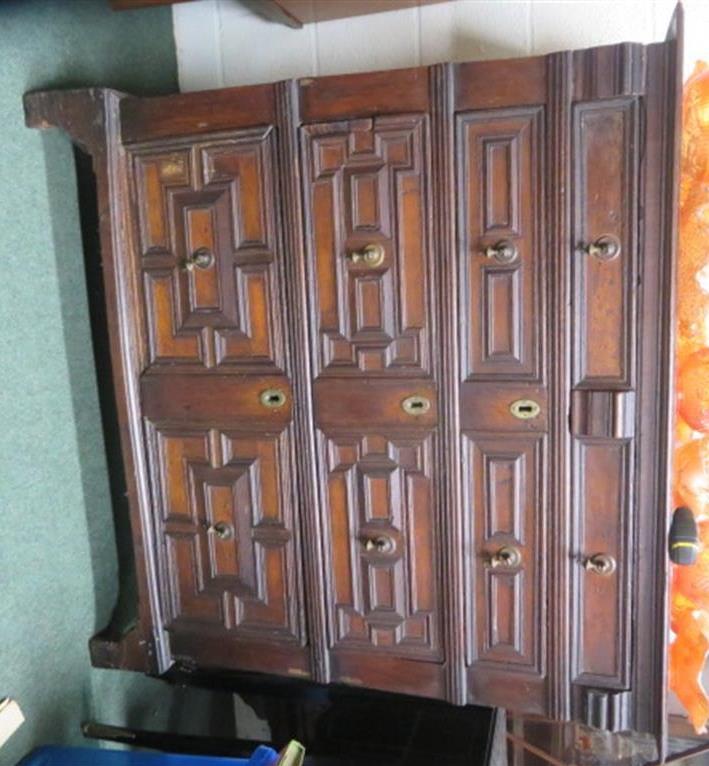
<point x="603" y="427"/>
<point x="504" y="493"/>
<point x="226" y="541"/>
<point x="366" y="184"/>
<point x="501" y="200"/>
<point x="605" y="179"/>
<point x="343" y="404"/>
<point x="380" y="544"/>
<point x="500" y="155"/>
<point x="603" y="501"/>
<point x="216" y="197"/>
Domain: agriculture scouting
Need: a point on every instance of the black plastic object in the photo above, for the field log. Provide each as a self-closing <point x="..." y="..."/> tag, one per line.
<point x="684" y="540"/>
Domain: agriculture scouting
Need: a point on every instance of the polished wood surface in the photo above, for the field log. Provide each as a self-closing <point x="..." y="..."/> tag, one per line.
<point x="372" y="329"/>
<point x="367" y="344"/>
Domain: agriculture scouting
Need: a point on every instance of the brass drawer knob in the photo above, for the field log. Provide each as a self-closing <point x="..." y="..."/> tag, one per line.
<point x="369" y="255"/>
<point x="273" y="398"/>
<point x="379" y="544"/>
<point x="202" y="258"/>
<point x="605" y="248"/>
<point x="507" y="557"/>
<point x="503" y="251"/>
<point x="416" y="405"/>
<point x="601" y="564"/>
<point x="222" y="530"/>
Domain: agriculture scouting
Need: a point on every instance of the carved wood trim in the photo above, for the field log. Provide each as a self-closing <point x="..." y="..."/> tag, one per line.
<point x="608" y="71"/>
<point x="658" y="244"/>
<point x="559" y="83"/>
<point x="447" y="372"/>
<point x="306" y="467"/>
<point x="606" y="710"/>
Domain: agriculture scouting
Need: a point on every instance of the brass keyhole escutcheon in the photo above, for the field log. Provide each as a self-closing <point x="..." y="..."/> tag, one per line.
<point x="201" y="258"/>
<point x="601" y="564"/>
<point x="222" y="530"/>
<point x="379" y="544"/>
<point x="370" y="255"/>
<point x="503" y="251"/>
<point x="507" y="557"/>
<point x="416" y="405"/>
<point x="525" y="409"/>
<point x="273" y="398"/>
<point x="605" y="248"/>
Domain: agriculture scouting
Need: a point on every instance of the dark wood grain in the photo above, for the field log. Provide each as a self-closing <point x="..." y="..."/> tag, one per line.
<point x="338" y="97"/>
<point x="500" y="84"/>
<point x="189" y="114"/>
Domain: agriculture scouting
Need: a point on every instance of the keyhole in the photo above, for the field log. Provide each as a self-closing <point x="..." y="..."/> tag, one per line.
<point x="416" y="405"/>
<point x="273" y="398"/>
<point x="525" y="409"/>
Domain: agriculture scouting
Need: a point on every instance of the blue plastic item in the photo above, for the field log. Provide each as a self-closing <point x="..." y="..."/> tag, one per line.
<point x="51" y="755"/>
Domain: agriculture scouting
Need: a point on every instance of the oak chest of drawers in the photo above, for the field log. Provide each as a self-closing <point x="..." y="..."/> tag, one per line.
<point x="391" y="362"/>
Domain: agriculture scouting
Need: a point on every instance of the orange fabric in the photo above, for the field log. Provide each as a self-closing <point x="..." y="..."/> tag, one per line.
<point x="690" y="584"/>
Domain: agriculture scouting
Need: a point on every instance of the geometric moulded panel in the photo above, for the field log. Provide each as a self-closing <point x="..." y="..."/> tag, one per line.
<point x="225" y="531"/>
<point x="499" y="179"/>
<point x="366" y="185"/>
<point x="380" y="538"/>
<point x="217" y="200"/>
<point x="605" y="198"/>
<point x="603" y="505"/>
<point x="503" y="490"/>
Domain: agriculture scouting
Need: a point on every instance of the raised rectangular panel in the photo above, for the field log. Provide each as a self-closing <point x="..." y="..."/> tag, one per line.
<point x="504" y="492"/>
<point x="366" y="183"/>
<point x="387" y="600"/>
<point x="155" y="177"/>
<point x="499" y="176"/>
<point x="204" y="285"/>
<point x="168" y="340"/>
<point x="605" y="197"/>
<point x="244" y="585"/>
<point x="603" y="508"/>
<point x="216" y="196"/>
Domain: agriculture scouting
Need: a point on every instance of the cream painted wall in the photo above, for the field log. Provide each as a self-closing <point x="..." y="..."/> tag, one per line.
<point x="223" y="42"/>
